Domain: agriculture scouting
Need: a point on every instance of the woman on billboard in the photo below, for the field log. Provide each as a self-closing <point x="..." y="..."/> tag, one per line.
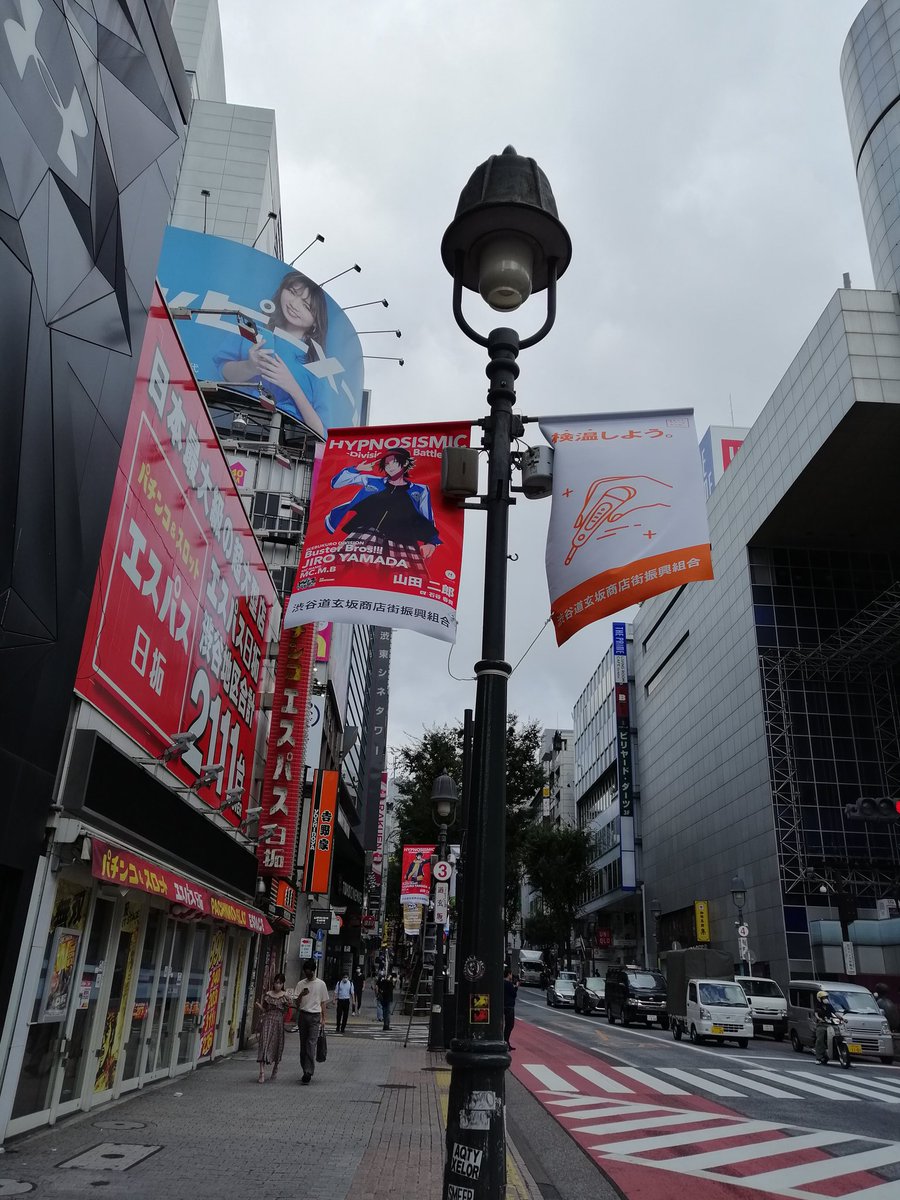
<point x="276" y="358"/>
<point x="392" y="516"/>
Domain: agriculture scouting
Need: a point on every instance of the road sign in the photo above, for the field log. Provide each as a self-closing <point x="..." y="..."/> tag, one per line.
<point x="743" y="947"/>
<point x="318" y="956"/>
<point x="306" y="949"/>
<point x="849" y="958"/>
<point x="442" y="871"/>
<point x="743" y="931"/>
<point x="320" y="935"/>
<point x="441" y="902"/>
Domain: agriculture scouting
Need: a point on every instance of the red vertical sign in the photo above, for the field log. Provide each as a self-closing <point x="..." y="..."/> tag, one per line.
<point x="282" y="795"/>
<point x="320" y="833"/>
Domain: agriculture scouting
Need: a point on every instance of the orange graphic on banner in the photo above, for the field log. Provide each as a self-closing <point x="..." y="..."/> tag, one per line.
<point x="615" y="589"/>
<point x="320" y="836"/>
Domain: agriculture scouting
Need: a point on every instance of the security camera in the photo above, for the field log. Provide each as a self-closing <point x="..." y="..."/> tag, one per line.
<point x="178" y="743"/>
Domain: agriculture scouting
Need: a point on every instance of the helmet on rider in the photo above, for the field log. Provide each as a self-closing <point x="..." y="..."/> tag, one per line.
<point x="821" y="994"/>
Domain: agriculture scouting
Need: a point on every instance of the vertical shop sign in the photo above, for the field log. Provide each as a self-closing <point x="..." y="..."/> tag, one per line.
<point x="179" y="617"/>
<point x="320" y="833"/>
<point x="376" y="731"/>
<point x="211" y="1008"/>
<point x="701" y="920"/>
<point x="282" y="792"/>
<point x="624" y="758"/>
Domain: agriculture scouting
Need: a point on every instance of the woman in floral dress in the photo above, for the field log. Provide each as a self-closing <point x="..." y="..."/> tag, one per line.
<point x="275" y="1004"/>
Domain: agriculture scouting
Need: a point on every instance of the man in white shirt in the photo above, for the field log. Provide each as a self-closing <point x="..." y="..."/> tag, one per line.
<point x="343" y="994"/>
<point x="311" y="995"/>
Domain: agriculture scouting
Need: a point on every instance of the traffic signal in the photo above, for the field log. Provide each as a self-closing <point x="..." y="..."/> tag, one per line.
<point x="875" y="809"/>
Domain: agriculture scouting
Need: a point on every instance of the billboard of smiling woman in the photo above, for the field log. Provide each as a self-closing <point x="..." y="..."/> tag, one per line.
<point x="264" y="328"/>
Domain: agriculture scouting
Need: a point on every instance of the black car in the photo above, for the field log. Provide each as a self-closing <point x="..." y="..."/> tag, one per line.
<point x="633" y="994"/>
<point x="590" y="995"/>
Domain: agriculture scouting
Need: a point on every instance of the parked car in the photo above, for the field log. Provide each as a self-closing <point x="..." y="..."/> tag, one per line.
<point x="567" y="975"/>
<point x="768" y="1005"/>
<point x="865" y="1029"/>
<point x="590" y="995"/>
<point x="561" y="991"/>
<point x="633" y="994"/>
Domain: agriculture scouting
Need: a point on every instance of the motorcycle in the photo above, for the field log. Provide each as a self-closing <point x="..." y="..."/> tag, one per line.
<point x="840" y="1051"/>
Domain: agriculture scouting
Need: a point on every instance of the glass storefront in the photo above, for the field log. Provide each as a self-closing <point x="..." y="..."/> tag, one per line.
<point x="128" y="993"/>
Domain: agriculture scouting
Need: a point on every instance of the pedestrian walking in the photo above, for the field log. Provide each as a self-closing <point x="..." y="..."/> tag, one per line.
<point x="274" y="1007"/>
<point x="358" y="983"/>
<point x="312" y="997"/>
<point x="510" y="992"/>
<point x="343" y="994"/>
<point x="386" y="994"/>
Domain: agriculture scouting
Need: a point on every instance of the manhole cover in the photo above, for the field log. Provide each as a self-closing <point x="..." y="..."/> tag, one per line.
<point x="119" y="1125"/>
<point x="396" y="1087"/>
<point x="110" y="1156"/>
<point x="15" y="1187"/>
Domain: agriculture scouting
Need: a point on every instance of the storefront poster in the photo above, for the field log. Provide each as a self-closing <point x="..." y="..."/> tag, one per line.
<point x="114" y="1024"/>
<point x="60" y="978"/>
<point x="628" y="515"/>
<point x="116" y="865"/>
<point x="211" y="1007"/>
<point x="383" y="547"/>
<point x="283" y="332"/>
<point x="319" y="839"/>
<point x="415" y="877"/>
<point x="177" y="629"/>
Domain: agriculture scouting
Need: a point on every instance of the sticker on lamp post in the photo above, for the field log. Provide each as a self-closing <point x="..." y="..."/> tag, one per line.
<point x="479" y="1010"/>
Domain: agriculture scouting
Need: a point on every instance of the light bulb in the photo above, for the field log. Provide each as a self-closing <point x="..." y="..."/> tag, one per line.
<point x="505" y="272"/>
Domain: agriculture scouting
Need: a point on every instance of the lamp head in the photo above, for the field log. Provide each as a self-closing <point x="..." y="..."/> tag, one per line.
<point x="443" y="799"/>
<point x="505" y="232"/>
<point x="738" y="892"/>
<point x="655" y="909"/>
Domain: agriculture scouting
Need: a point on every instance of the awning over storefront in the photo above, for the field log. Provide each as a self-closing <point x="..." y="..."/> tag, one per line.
<point x="114" y="864"/>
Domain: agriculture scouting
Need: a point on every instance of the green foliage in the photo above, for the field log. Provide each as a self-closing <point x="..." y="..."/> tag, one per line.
<point x="441" y="749"/>
<point x="556" y="860"/>
<point x="540" y="931"/>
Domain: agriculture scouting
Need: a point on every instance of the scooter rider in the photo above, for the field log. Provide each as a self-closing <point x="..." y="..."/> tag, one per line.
<point x="825" y="1012"/>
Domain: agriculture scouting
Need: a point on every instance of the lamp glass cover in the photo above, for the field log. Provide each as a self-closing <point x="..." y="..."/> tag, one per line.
<point x="505" y="273"/>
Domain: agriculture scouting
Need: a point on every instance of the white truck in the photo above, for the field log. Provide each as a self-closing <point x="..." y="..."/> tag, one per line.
<point x="703" y="999"/>
<point x="768" y="1005"/>
<point x="529" y="965"/>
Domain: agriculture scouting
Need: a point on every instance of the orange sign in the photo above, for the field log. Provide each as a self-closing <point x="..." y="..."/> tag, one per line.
<point x="320" y="833"/>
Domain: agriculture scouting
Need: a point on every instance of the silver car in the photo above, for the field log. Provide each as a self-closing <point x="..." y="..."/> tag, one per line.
<point x="561" y="991"/>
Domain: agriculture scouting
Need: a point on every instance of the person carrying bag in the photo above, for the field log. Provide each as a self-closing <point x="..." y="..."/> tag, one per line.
<point x="321" y="1047"/>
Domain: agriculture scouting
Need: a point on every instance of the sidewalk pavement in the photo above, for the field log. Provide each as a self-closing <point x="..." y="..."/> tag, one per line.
<point x="371" y="1126"/>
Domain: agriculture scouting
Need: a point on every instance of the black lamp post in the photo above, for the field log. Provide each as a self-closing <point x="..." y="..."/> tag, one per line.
<point x="739" y="899"/>
<point x="443" y="810"/>
<point x="656" y="913"/>
<point x="506" y="241"/>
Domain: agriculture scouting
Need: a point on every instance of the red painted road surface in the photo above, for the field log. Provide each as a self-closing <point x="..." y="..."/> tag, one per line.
<point x="656" y="1140"/>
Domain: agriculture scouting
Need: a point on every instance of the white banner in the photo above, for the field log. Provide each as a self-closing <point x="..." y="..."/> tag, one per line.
<point x="628" y="516"/>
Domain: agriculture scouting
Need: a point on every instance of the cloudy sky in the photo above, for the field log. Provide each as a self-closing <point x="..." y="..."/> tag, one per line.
<point x="700" y="160"/>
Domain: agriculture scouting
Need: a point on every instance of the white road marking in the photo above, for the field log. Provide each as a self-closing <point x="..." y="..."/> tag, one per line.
<point x="681" y="1118"/>
<point x="549" y="1078"/>
<point x="605" y="1082"/>
<point x="714" y="1089"/>
<point x="655" y="1085"/>
<point x="685" y="1136"/>
<point x="845" y="1086"/>
<point x="804" y="1087"/>
<point x="768" y="1149"/>
<point x="830" y="1168"/>
<point x="751" y="1084"/>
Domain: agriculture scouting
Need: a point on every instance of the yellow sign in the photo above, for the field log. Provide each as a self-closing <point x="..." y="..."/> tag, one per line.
<point x="479" y="1010"/>
<point x="701" y="920"/>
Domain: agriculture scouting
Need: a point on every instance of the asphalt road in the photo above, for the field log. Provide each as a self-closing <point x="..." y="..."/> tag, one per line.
<point x="643" y="1106"/>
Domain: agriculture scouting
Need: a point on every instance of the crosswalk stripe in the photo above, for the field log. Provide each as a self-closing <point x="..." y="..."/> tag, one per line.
<point x="714" y="1089"/>
<point x="845" y="1086"/>
<point x="892" y="1089"/>
<point x="805" y="1087"/>
<point x="618" y="1110"/>
<point x="769" y="1149"/>
<point x="656" y="1085"/>
<point x="831" y="1168"/>
<point x="646" y="1123"/>
<point x="549" y="1078"/>
<point x="750" y="1083"/>
<point x="605" y="1082"/>
<point x="885" y="1191"/>
<point x="685" y="1136"/>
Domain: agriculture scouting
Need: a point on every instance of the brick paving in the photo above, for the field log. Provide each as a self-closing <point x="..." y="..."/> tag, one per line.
<point x="370" y="1126"/>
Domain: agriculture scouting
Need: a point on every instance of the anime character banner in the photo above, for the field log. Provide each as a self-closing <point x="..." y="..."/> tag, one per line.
<point x="415" y="878"/>
<point x="628" y="516"/>
<point x="383" y="546"/>
<point x="263" y="327"/>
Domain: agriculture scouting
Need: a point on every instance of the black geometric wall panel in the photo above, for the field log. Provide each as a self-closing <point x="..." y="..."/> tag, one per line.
<point x="93" y="103"/>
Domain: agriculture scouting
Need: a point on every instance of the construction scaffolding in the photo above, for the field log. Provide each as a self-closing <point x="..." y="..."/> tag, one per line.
<point x="866" y="649"/>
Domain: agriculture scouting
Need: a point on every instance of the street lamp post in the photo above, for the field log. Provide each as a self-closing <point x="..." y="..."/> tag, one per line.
<point x="739" y="899"/>
<point x="506" y="241"/>
<point x="443" y="809"/>
<point x="656" y="913"/>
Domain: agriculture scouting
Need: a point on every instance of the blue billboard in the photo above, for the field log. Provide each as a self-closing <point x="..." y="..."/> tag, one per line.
<point x="264" y="328"/>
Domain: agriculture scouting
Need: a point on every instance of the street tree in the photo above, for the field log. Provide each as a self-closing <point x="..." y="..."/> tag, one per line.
<point x="440" y="749"/>
<point x="556" y="861"/>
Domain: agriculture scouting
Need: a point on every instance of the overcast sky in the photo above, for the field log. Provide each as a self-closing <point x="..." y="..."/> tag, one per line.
<point x="699" y="157"/>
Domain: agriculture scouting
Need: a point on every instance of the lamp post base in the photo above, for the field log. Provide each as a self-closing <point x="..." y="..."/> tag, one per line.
<point x="476" y="1126"/>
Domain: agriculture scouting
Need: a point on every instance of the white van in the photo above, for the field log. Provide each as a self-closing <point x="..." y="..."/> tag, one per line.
<point x="718" y="1008"/>
<point x="768" y="1005"/>
<point x="866" y="1030"/>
